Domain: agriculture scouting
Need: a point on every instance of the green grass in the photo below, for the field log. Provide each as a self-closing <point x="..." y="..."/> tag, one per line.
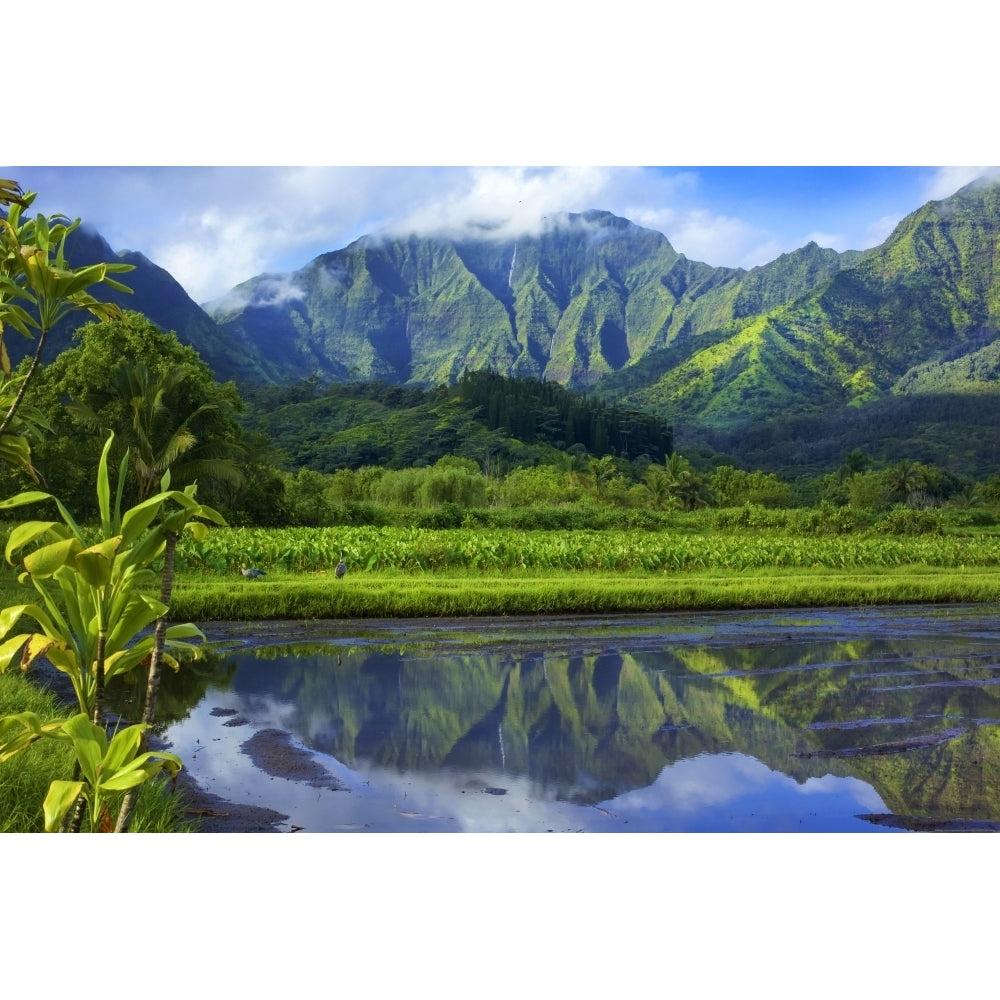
<point x="407" y="595"/>
<point x="25" y="778"/>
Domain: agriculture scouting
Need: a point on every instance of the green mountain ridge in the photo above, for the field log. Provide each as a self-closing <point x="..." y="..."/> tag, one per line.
<point x="583" y="300"/>
<point x="606" y="307"/>
<point x="922" y="303"/>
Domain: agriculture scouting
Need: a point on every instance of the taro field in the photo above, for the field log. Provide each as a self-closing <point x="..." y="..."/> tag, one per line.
<point x="416" y="550"/>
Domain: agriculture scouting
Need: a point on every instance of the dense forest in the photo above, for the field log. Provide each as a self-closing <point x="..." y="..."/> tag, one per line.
<point x="488" y="449"/>
<point x="493" y="419"/>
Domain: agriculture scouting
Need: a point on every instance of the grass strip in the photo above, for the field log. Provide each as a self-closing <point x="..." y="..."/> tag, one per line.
<point x="382" y="595"/>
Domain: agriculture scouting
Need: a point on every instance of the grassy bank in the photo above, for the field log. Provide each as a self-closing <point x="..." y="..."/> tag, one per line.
<point x="424" y="572"/>
<point x="397" y="595"/>
<point x="25" y="778"/>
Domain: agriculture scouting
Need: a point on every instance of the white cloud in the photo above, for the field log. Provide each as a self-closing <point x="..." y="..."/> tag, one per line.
<point x="242" y="222"/>
<point x="945" y="181"/>
<point x="213" y="228"/>
<point x="834" y="241"/>
<point x="706" y="236"/>
<point x="879" y="231"/>
<point x="512" y="201"/>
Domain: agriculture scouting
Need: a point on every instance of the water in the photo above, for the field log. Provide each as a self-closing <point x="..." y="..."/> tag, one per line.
<point x="863" y="720"/>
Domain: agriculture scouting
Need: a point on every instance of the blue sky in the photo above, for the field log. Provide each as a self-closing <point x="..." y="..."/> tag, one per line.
<point x="214" y="227"/>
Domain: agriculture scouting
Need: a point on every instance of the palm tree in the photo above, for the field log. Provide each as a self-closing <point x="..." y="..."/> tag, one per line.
<point x="855" y="462"/>
<point x="683" y="483"/>
<point x="154" y="428"/>
<point x="903" y="479"/>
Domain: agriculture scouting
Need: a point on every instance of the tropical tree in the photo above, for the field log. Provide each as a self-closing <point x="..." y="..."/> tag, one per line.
<point x="157" y="436"/>
<point x="684" y="483"/>
<point x="855" y="462"/>
<point x="601" y="471"/>
<point x="37" y="285"/>
<point x="158" y="397"/>
<point x="91" y="620"/>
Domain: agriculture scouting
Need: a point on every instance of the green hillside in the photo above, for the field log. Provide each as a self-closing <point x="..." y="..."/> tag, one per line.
<point x="811" y="355"/>
<point x="585" y="299"/>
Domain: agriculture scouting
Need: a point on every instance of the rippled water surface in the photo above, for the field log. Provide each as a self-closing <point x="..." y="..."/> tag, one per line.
<point x="869" y="720"/>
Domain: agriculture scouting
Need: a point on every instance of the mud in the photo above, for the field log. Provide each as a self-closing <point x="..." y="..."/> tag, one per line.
<point x="273" y="752"/>
<point x="215" y="815"/>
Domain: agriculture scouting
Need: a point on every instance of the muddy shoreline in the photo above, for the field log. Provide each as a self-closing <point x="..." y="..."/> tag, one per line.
<point x="272" y="752"/>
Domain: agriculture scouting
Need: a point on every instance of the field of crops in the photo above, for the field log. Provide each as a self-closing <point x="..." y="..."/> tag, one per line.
<point x="416" y="550"/>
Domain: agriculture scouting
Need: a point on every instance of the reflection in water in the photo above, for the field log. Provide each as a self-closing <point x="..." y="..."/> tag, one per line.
<point x="823" y="721"/>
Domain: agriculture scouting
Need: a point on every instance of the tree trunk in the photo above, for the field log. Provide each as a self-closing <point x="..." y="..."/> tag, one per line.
<point x="98" y="716"/>
<point x="153" y="678"/>
<point x="43" y="333"/>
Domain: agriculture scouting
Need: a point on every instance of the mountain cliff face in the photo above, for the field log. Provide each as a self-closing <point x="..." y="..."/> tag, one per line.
<point x="576" y="303"/>
<point x="921" y="313"/>
<point x="598" y="303"/>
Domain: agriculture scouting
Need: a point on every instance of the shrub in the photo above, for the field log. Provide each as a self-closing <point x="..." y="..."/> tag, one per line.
<point x="751" y="515"/>
<point x="828" y="519"/>
<point x="908" y="521"/>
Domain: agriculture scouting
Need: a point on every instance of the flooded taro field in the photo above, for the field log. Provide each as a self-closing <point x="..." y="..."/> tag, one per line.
<point x="833" y="720"/>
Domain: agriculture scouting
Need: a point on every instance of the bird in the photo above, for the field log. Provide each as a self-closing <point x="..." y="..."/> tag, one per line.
<point x="341" y="566"/>
<point x="251" y="572"/>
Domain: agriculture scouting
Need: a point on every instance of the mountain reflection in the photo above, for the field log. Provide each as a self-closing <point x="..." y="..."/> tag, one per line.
<point x="900" y="718"/>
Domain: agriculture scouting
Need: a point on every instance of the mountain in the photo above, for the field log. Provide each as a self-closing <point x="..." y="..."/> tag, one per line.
<point x="917" y="316"/>
<point x="578" y="302"/>
<point x="919" y="313"/>
<point x="833" y="350"/>
<point x="160" y="297"/>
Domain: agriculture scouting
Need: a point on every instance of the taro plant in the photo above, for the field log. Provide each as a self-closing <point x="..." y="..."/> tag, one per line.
<point x="107" y="767"/>
<point x="94" y="611"/>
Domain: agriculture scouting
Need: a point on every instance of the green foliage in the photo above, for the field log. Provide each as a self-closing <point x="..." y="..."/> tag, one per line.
<point x="733" y="486"/>
<point x="493" y="421"/>
<point x="38" y="288"/>
<point x="165" y="408"/>
<point x="530" y="486"/>
<point x="25" y="779"/>
<point x="108" y="768"/>
<point x="89" y="628"/>
<point x="497" y="550"/>
<point x="869" y="491"/>
<point x="907" y="521"/>
<point x="751" y="515"/>
<point x="828" y="519"/>
<point x="89" y="623"/>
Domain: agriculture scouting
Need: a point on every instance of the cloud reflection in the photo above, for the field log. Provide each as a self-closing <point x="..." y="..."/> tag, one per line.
<point x="708" y="793"/>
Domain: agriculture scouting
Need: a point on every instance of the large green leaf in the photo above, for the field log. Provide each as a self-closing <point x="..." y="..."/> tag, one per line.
<point x="31" y="496"/>
<point x="95" y="564"/>
<point x="21" y="730"/>
<point x="59" y="801"/>
<point x="137" y="519"/>
<point x="10" y="616"/>
<point x="104" y="488"/>
<point x="90" y="743"/>
<point x="9" y="649"/>
<point x="138" y="613"/>
<point x="141" y="769"/>
<point x="122" y="749"/>
<point x="45" y="561"/>
<point x="25" y="533"/>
